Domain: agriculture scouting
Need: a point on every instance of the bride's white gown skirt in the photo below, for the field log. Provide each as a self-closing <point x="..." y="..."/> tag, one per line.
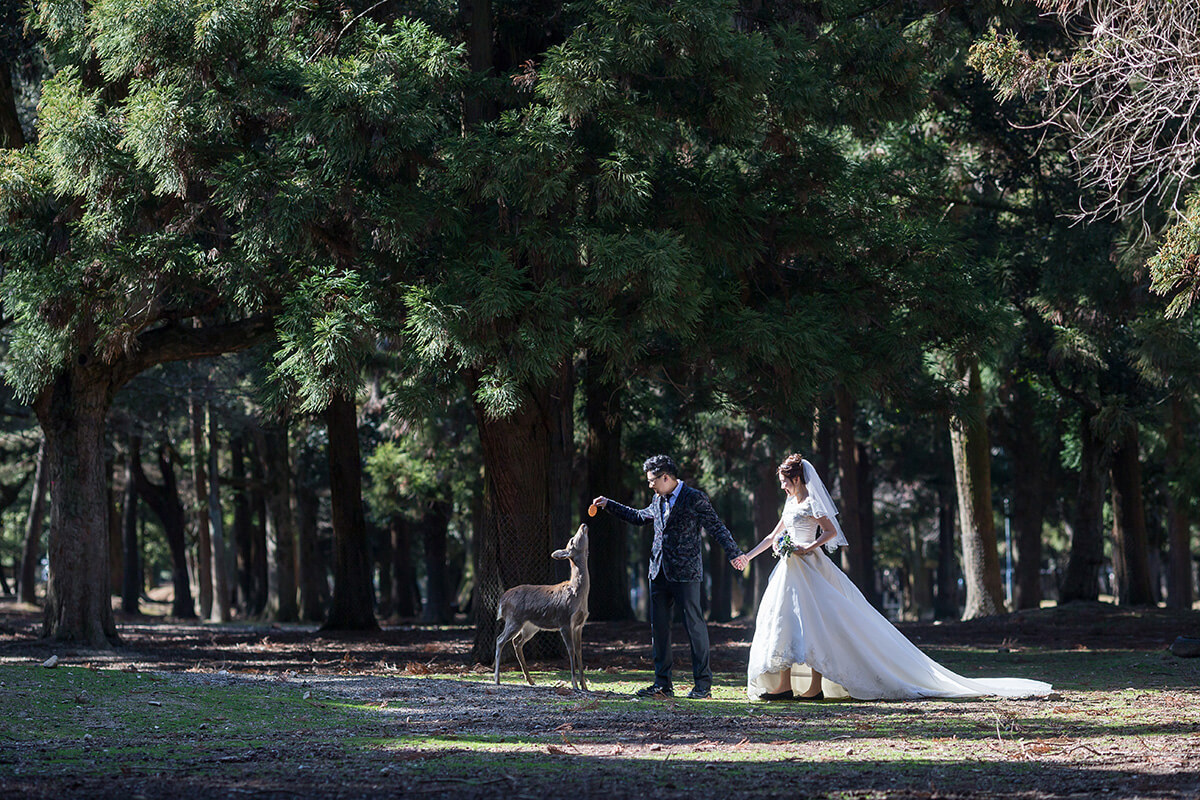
<point x="813" y="616"/>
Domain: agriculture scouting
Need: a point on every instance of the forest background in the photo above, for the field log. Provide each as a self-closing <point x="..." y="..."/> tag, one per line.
<point x="343" y="311"/>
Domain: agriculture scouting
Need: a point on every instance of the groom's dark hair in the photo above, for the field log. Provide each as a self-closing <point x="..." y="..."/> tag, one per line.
<point x="660" y="465"/>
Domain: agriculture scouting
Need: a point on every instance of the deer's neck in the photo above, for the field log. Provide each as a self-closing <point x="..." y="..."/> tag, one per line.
<point x="578" y="581"/>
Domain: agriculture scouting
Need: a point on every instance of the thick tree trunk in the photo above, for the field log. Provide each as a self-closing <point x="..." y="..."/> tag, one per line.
<point x="973" y="477"/>
<point x="164" y="501"/>
<point x="72" y="411"/>
<point x="1030" y="484"/>
<point x="314" y="588"/>
<point x="519" y="525"/>
<point x="866" y="524"/>
<point x="765" y="501"/>
<point x="607" y="536"/>
<point x="131" y="582"/>
<point x="31" y="552"/>
<point x="386" y="602"/>
<point x="280" y="529"/>
<point x="241" y="529"/>
<point x="1179" y="522"/>
<point x="858" y="558"/>
<point x="720" y="574"/>
<point x="1082" y="581"/>
<point x="260" y="552"/>
<point x="353" y="606"/>
<point x="222" y="592"/>
<point x="435" y="527"/>
<point x="1130" y="545"/>
<point x="116" y="546"/>
<point x="1027" y="522"/>
<point x="11" y="134"/>
<point x="919" y="583"/>
<point x="407" y="601"/>
<point x="945" y="602"/>
<point x="204" y="576"/>
<point x="825" y="437"/>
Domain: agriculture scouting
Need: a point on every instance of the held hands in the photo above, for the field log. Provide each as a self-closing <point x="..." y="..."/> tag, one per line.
<point x="741" y="562"/>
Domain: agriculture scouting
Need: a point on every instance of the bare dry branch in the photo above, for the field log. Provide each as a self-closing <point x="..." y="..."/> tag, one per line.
<point x="1129" y="96"/>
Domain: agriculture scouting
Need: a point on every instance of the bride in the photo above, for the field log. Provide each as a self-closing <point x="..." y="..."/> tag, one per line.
<point x="814" y="623"/>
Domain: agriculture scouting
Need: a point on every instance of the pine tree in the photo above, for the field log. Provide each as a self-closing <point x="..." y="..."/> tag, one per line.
<point x="228" y="163"/>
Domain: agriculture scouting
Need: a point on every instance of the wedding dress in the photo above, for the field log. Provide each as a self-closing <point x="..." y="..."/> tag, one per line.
<point x="813" y="616"/>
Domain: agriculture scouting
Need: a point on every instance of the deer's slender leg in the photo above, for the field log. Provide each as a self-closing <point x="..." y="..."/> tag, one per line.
<point x="509" y="631"/>
<point x="519" y="645"/>
<point x="577" y="635"/>
<point x="565" y="632"/>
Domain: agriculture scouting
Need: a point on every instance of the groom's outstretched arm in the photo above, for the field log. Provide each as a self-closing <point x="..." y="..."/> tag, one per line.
<point x="631" y="515"/>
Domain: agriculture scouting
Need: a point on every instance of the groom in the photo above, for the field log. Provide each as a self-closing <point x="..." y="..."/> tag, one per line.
<point x="676" y="568"/>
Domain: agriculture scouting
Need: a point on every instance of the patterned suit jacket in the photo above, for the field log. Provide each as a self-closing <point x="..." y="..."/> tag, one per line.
<point x="676" y="550"/>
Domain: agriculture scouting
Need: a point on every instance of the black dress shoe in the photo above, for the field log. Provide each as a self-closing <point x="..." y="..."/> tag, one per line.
<point x="700" y="694"/>
<point x="655" y="690"/>
<point x="820" y="695"/>
<point x="786" y="694"/>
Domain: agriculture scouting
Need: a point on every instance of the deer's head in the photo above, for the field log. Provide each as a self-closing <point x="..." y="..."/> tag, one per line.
<point x="576" y="548"/>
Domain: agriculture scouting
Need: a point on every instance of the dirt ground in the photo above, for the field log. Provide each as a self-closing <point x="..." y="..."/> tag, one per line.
<point x="424" y="722"/>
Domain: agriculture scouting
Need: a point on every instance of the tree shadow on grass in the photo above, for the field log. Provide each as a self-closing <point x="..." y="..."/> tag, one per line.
<point x="472" y="774"/>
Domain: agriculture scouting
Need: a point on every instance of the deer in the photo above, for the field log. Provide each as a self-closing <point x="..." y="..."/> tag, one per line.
<point x="526" y="609"/>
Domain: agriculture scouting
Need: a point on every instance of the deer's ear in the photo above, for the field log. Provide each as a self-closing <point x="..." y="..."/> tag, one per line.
<point x="560" y="554"/>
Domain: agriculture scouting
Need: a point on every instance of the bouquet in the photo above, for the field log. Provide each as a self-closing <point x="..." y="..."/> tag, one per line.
<point x="785" y="545"/>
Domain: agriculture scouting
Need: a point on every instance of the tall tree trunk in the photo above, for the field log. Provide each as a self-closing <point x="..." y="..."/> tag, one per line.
<point x="1179" y="522"/>
<point x="866" y="524"/>
<point x="72" y="411"/>
<point x="765" y="501"/>
<point x="519" y="525"/>
<point x="1030" y="483"/>
<point x="132" y="580"/>
<point x="116" y="555"/>
<point x="945" y="603"/>
<point x="386" y="602"/>
<point x="973" y="477"/>
<point x="1082" y="581"/>
<point x="165" y="502"/>
<point x="720" y="571"/>
<point x="353" y="606"/>
<point x="1130" y="545"/>
<point x="216" y="521"/>
<point x="607" y="536"/>
<point x="204" y="576"/>
<point x="280" y="529"/>
<point x="435" y="525"/>
<point x="31" y="552"/>
<point x="825" y="437"/>
<point x="260" y="553"/>
<point x="919" y="583"/>
<point x="11" y="134"/>
<point x="407" y="603"/>
<point x="241" y="530"/>
<point x="857" y="558"/>
<point x="314" y="588"/>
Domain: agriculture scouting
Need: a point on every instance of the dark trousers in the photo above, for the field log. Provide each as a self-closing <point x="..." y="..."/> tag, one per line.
<point x="664" y="594"/>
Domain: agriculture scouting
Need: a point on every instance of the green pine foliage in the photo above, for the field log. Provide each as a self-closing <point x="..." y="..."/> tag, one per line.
<point x="219" y="159"/>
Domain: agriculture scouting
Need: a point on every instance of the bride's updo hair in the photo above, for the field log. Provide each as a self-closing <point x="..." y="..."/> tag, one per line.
<point x="792" y="468"/>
